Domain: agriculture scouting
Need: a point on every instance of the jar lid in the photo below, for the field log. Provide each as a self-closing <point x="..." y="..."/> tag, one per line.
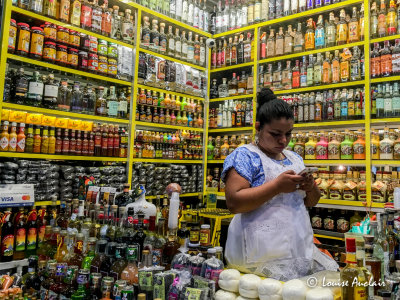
<point x="49" y="23"/>
<point x="23" y="24"/>
<point x="61" y="46"/>
<point x="37" y="28"/>
<point x="61" y="28"/>
<point x="193" y="245"/>
<point x="72" y="31"/>
<point x="73" y="49"/>
<point x="13" y="21"/>
<point x="50" y="43"/>
<point x="102" y="41"/>
<point x="205" y="226"/>
<point x="83" y="53"/>
<point x="212" y="251"/>
<point x="218" y="249"/>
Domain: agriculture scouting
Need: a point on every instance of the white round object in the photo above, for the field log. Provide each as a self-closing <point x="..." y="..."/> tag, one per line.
<point x="270" y="289"/>
<point x="224" y="295"/>
<point x="229" y="280"/>
<point x="248" y="285"/>
<point x="319" y="294"/>
<point x="244" y="298"/>
<point x="294" y="290"/>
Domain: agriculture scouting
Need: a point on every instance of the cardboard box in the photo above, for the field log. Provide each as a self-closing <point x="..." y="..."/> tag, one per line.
<point x="48" y="121"/>
<point x="86" y="126"/>
<point x="5" y="114"/>
<point x="61" y="123"/>
<point x="35" y="119"/>
<point x="17" y="116"/>
<point x="74" y="124"/>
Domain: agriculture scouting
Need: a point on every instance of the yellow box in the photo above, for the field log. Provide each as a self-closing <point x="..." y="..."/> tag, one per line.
<point x="34" y="119"/>
<point x="74" y="124"/>
<point x="48" y="121"/>
<point x="5" y="114"/>
<point x="86" y="125"/>
<point x="61" y="123"/>
<point x="17" y="116"/>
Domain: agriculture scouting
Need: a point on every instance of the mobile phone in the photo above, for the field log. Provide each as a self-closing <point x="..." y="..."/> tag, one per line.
<point x="308" y="171"/>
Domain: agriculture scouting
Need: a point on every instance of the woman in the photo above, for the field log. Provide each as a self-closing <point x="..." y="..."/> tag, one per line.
<point x="271" y="234"/>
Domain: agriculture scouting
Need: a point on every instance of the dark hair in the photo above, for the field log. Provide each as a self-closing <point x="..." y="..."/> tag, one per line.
<point x="269" y="107"/>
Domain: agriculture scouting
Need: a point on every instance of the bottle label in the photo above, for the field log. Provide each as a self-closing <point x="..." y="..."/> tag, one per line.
<point x="299" y="149"/>
<point x="333" y="149"/>
<point x="319" y="38"/>
<point x="396" y="63"/>
<point x="322" y="152"/>
<point x="343" y="109"/>
<point x="20" y="239"/>
<point x="145" y="279"/>
<point x="358" y="148"/>
<point x="353" y="31"/>
<point x="50" y="91"/>
<point x="346" y="150"/>
<point x="385" y="147"/>
<point x="329" y="224"/>
<point x="316" y="222"/>
<point x="386" y="64"/>
<point x="342" y="224"/>
<point x="32" y="233"/>
<point x="309" y="150"/>
<point x="157" y="255"/>
<point x="7" y="245"/>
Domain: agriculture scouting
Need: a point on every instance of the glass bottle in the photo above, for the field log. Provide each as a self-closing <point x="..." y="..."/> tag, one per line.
<point x="354" y="27"/>
<point x="64" y="96"/>
<point x="382" y="23"/>
<point x="342" y="29"/>
<point x="309" y="37"/>
<point x="320" y="33"/>
<point x="76" y="98"/>
<point x="345" y="66"/>
<point x="331" y="31"/>
<point x="355" y="65"/>
<point x="298" y="41"/>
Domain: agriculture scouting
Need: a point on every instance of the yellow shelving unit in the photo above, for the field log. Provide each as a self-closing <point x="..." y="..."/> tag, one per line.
<point x="69" y="26"/>
<point x="385" y="79"/>
<point x="230" y="129"/>
<point x="146" y="87"/>
<point x="172" y="59"/>
<point x="248" y="64"/>
<point x="181" y="195"/>
<point x="61" y="157"/>
<point x="331" y="124"/>
<point x="232" y="98"/>
<point x="215" y="161"/>
<point x="67" y="70"/>
<point x="386" y="162"/>
<point x="64" y="114"/>
<point x="386" y="38"/>
<point x="321" y="87"/>
<point x="385" y="121"/>
<point x="328" y="237"/>
<point x="339" y="162"/>
<point x="167" y="161"/>
<point x="165" y="126"/>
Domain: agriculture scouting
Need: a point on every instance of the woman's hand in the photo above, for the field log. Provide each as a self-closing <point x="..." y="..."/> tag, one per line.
<point x="308" y="183"/>
<point x="288" y="182"/>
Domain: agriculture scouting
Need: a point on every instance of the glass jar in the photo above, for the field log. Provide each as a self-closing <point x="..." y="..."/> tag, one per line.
<point x="194" y="236"/>
<point x="37" y="41"/>
<point x="50" y="32"/>
<point x="93" y="44"/>
<point x="93" y="63"/>
<point x="83" y="60"/>
<point x="112" y="67"/>
<point x="205" y="235"/>
<point x="24" y="38"/>
<point x="102" y="48"/>
<point x="49" y="52"/>
<point x="112" y="50"/>
<point x="103" y="65"/>
<point x="73" y="58"/>
<point x="12" y="36"/>
<point x="74" y="39"/>
<point x="62" y="55"/>
<point x="85" y="42"/>
<point x="62" y="35"/>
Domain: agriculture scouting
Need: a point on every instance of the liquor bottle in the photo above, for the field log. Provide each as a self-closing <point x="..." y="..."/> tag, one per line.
<point x="320" y="33"/>
<point x="287" y="76"/>
<point x="279" y="42"/>
<point x="345" y="66"/>
<point x="362" y="23"/>
<point x="310" y="71"/>
<point x="296" y="75"/>
<point x="331" y="31"/>
<point x="7" y="237"/>
<point x="318" y="70"/>
<point x="355" y="65"/>
<point x="346" y="147"/>
<point x="20" y="235"/>
<point x="35" y="90"/>
<point x="375" y="61"/>
<point x="154" y="37"/>
<point x="352" y="272"/>
<point x="298" y="41"/>
<point x="342" y="29"/>
<point x="386" y="60"/>
<point x="327" y="70"/>
<point x="374" y="21"/>
<point x="120" y="262"/>
<point x="271" y="44"/>
<point x="382" y="23"/>
<point x="310" y="36"/>
<point x="277" y="77"/>
<point x="130" y="272"/>
<point x="387" y="102"/>
<point x="354" y="27"/>
<point x="250" y="12"/>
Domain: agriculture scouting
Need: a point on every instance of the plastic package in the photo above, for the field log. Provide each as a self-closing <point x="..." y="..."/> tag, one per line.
<point x="162" y="282"/>
<point x="212" y="266"/>
<point x="180" y="261"/>
<point x="200" y="282"/>
<point x="196" y="263"/>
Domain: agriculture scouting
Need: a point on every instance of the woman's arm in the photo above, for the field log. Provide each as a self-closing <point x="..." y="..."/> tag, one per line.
<point x="241" y="198"/>
<point x="313" y="193"/>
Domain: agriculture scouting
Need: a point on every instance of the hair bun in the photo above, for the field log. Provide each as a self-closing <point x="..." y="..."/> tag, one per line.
<point x="264" y="96"/>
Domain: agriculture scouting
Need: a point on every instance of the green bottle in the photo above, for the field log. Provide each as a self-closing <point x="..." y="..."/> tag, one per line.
<point x="87" y="261"/>
<point x="290" y="145"/>
<point x="183" y="105"/>
<point x="210" y="148"/>
<point x="346" y="147"/>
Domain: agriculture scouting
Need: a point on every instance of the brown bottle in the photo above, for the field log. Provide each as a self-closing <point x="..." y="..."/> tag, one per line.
<point x="66" y="143"/>
<point x="72" y="143"/>
<point x="78" y="150"/>
<point x="110" y="143"/>
<point x="97" y="140"/>
<point x="104" y="139"/>
<point x="20" y="234"/>
<point x="116" y="141"/>
<point x="92" y="144"/>
<point x="85" y="144"/>
<point x="58" y="142"/>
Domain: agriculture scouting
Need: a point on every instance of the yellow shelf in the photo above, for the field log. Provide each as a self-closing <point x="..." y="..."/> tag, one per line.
<point x="330" y="124"/>
<point x="339" y="162"/>
<point x="68" y="70"/>
<point x="232" y="98"/>
<point x="342" y="202"/>
<point x="230" y="129"/>
<point x="63" y="113"/>
<point x="320" y="87"/>
<point x="315" y="11"/>
<point x="69" y="26"/>
<point x="167" y="161"/>
<point x="385" y="38"/>
<point x="294" y="55"/>
<point x="165" y="126"/>
<point x="219" y="194"/>
<point x="232" y="67"/>
<point x="384" y="121"/>
<point x="165" y="18"/>
<point x="215" y="161"/>
<point x="385" y="79"/>
<point x="328" y="237"/>
<point x="146" y="87"/>
<point x="46" y="203"/>
<point x="172" y="59"/>
<point x="386" y="162"/>
<point x="61" y="157"/>
<point x="181" y="195"/>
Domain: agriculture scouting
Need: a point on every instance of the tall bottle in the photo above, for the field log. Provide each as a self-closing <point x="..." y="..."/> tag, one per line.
<point x="342" y="29"/>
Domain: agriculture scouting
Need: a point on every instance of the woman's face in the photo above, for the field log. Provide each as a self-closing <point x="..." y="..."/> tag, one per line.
<point x="275" y="136"/>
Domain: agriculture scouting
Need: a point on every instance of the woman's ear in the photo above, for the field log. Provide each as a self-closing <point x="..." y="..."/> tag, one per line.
<point x="257" y="126"/>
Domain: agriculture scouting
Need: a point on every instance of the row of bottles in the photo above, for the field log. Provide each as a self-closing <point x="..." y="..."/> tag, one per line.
<point x="192" y="49"/>
<point x="168" y="75"/>
<point x="325" y="34"/>
<point x="333" y="145"/>
<point x="237" y="86"/>
<point x="88" y="15"/>
<point x="385" y="61"/>
<point x="385" y="100"/>
<point x="384" y="22"/>
<point x="348" y="66"/>
<point x="385" y="144"/>
<point x="232" y="51"/>
<point x="330" y="105"/>
<point x="330" y="220"/>
<point x="168" y="145"/>
<point x="232" y="113"/>
<point x="102" y="140"/>
<point x="48" y="92"/>
<point x="157" y="99"/>
<point x="220" y="149"/>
